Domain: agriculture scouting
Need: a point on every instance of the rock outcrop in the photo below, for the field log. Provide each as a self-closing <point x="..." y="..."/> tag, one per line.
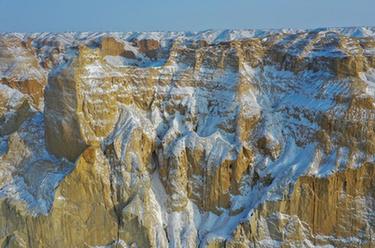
<point x="215" y="139"/>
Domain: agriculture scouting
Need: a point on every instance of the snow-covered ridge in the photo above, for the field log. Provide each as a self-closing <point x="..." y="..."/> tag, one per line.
<point x="211" y="36"/>
<point x="195" y="137"/>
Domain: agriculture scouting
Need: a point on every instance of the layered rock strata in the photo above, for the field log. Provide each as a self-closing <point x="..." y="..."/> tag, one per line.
<point x="214" y="139"/>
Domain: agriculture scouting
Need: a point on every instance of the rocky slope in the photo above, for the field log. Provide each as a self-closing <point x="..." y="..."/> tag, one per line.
<point x="240" y="138"/>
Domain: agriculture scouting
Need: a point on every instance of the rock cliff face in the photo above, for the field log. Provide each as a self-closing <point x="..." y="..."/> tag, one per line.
<point x="214" y="139"/>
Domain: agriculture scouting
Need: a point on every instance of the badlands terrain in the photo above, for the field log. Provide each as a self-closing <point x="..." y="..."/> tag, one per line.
<point x="235" y="138"/>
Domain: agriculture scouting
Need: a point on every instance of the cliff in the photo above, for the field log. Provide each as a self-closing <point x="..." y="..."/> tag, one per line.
<point x="239" y="138"/>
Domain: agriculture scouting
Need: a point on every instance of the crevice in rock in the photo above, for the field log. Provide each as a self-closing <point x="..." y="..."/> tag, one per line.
<point x="7" y="241"/>
<point x="110" y="154"/>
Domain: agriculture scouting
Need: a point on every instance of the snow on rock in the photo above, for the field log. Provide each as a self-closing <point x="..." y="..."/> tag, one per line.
<point x="203" y="136"/>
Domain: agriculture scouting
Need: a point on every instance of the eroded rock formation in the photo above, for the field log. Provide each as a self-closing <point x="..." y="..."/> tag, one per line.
<point x="214" y="139"/>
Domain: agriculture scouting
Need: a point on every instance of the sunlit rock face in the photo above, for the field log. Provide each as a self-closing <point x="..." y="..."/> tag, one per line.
<point x="240" y="138"/>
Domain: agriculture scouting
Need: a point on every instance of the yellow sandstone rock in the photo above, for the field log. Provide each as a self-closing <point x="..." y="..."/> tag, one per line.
<point x="213" y="139"/>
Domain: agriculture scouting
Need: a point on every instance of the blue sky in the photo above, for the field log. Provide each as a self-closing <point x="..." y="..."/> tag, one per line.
<point x="179" y="15"/>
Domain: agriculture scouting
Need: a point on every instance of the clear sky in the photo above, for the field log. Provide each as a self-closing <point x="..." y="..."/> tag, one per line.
<point x="180" y="15"/>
